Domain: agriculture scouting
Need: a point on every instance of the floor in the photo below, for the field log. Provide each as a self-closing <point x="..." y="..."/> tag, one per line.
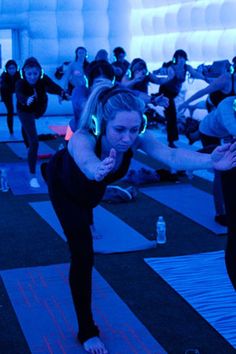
<point x="148" y="298"/>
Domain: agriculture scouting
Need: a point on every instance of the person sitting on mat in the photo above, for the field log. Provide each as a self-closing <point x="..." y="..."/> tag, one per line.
<point x="32" y="100"/>
<point x="112" y="127"/>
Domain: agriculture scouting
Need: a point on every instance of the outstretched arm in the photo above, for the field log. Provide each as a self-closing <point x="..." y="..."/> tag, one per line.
<point x="216" y="85"/>
<point x="82" y="149"/>
<point x="222" y="158"/>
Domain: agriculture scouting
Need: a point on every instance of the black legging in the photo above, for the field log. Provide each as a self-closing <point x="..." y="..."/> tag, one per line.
<point x="75" y="219"/>
<point x="209" y="143"/>
<point x="170" y="115"/>
<point x="229" y="192"/>
<point x="30" y="137"/>
<point x="8" y="101"/>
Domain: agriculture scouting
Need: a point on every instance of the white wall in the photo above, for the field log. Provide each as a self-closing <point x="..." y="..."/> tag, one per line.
<point x="151" y="29"/>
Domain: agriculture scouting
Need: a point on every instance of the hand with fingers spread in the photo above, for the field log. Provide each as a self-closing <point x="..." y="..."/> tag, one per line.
<point x="224" y="157"/>
<point x="105" y="166"/>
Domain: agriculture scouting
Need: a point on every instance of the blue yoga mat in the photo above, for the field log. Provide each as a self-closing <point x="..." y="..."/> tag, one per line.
<point x="42" y="302"/>
<point x="189" y="201"/>
<point x="202" y="280"/>
<point x="18" y="179"/>
<point x="20" y="150"/>
<point x="117" y="236"/>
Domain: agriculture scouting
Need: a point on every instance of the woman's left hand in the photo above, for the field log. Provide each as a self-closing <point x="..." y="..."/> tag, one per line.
<point x="105" y="166"/>
<point x="224" y="157"/>
<point x="161" y="100"/>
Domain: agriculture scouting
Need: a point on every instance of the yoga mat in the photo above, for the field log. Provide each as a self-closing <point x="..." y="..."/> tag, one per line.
<point x="204" y="174"/>
<point x="189" y="201"/>
<point x="59" y="129"/>
<point x="18" y="178"/>
<point x="202" y="280"/>
<point x="4" y="132"/>
<point x="42" y="302"/>
<point x="117" y="236"/>
<point x="20" y="150"/>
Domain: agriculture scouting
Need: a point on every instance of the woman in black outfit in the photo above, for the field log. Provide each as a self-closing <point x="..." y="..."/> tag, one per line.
<point x="111" y="128"/>
<point x="220" y="88"/>
<point x="176" y="71"/>
<point x="32" y="100"/>
<point x="229" y="191"/>
<point x="7" y="84"/>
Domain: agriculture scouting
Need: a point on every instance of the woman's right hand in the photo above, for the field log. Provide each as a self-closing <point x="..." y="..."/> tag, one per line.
<point x="30" y="100"/>
<point x="105" y="166"/>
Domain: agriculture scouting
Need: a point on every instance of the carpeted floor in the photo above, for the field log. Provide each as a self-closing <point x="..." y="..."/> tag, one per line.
<point x="27" y="241"/>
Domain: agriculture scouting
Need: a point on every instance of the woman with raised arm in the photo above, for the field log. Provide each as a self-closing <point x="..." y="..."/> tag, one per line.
<point x="111" y="128"/>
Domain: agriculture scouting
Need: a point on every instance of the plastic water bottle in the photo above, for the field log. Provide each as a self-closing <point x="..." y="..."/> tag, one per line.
<point x="4" y="184"/>
<point x="161" y="230"/>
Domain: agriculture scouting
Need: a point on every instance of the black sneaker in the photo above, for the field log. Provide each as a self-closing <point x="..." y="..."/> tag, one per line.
<point x="221" y="219"/>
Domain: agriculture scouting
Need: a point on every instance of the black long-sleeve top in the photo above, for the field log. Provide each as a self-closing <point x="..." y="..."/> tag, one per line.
<point x="7" y="83"/>
<point x="43" y="86"/>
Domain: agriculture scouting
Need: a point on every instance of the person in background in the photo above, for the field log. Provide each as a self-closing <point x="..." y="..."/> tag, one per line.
<point x="229" y="193"/>
<point x="176" y="71"/>
<point x="111" y="129"/>
<point x="120" y="64"/>
<point x="7" y="85"/>
<point x="138" y="79"/>
<point x="98" y="70"/>
<point x="102" y="54"/>
<point x="32" y="100"/>
<point x="76" y="71"/>
<point x="75" y="79"/>
<point x="220" y="88"/>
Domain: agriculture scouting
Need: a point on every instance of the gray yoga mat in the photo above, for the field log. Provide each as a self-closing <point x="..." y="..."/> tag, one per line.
<point x="202" y="280"/>
<point x="189" y="201"/>
<point x="20" y="150"/>
<point x="42" y="302"/>
<point x="117" y="236"/>
<point x="18" y="179"/>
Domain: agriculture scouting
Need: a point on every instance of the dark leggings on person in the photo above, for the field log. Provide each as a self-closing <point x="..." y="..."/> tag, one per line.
<point x="171" y="117"/>
<point x="30" y="137"/>
<point x="8" y="101"/>
<point x="229" y="192"/>
<point x="209" y="143"/>
<point x="75" y="220"/>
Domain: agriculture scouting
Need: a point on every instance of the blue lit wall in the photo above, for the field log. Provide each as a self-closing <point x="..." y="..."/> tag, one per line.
<point x="152" y="29"/>
<point x="205" y="29"/>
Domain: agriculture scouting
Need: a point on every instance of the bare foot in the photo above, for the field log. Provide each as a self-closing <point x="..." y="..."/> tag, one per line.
<point x="94" y="345"/>
<point x="96" y="235"/>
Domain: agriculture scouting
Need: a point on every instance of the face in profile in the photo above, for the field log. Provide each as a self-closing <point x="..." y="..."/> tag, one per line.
<point x="123" y="130"/>
<point x="11" y="70"/>
<point x="32" y="74"/>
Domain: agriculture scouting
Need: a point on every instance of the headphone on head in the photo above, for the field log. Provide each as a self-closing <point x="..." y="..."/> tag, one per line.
<point x="23" y="77"/>
<point x="179" y="53"/>
<point x="232" y="69"/>
<point x="104" y="97"/>
<point x="9" y="63"/>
